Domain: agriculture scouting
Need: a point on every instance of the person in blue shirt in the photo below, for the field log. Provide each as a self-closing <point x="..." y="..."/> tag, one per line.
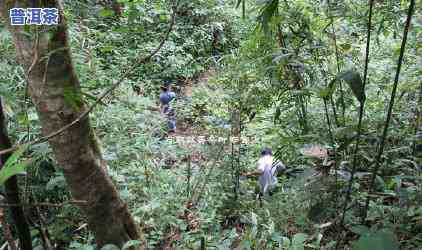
<point x="166" y="97"/>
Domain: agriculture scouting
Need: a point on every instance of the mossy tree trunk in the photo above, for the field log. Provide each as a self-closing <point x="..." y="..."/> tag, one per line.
<point x="55" y="91"/>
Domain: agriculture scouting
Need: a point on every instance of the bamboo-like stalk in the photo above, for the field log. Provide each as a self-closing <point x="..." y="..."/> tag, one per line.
<point x="418" y="118"/>
<point x="361" y="112"/>
<point x="390" y="108"/>
<point x="343" y="106"/>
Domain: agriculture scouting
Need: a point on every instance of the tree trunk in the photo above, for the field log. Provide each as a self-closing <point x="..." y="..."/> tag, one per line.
<point x="55" y="91"/>
<point x="117" y="8"/>
<point x="12" y="189"/>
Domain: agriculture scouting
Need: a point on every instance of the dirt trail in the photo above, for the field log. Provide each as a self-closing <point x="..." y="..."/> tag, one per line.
<point x="185" y="131"/>
<point x="202" y="79"/>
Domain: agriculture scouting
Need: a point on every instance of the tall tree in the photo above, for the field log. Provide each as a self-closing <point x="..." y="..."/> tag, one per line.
<point x="55" y="91"/>
<point x="12" y="190"/>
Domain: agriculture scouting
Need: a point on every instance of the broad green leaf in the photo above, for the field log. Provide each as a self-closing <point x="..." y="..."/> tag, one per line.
<point x="110" y="247"/>
<point x="12" y="167"/>
<point x="353" y="79"/>
<point x="299" y="238"/>
<point x="380" y="240"/>
<point x="346" y="46"/>
<point x="34" y="232"/>
<point x="15" y="156"/>
<point x="6" y="173"/>
<point x="328" y="91"/>
<point x="106" y="13"/>
<point x="298" y="241"/>
<point x="131" y="243"/>
<point x="107" y="48"/>
<point x="360" y="229"/>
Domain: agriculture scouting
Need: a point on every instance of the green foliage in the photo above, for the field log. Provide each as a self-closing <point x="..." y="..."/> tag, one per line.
<point x="131" y="243"/>
<point x="14" y="165"/>
<point x="106" y="13"/>
<point x="109" y="247"/>
<point x="377" y="240"/>
<point x="76" y="245"/>
<point x="355" y="82"/>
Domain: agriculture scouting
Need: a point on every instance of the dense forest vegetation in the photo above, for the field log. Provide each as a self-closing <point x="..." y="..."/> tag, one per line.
<point x="334" y="88"/>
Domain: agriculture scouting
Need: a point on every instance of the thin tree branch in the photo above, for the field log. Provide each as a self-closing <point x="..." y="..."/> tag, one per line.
<point x="43" y="204"/>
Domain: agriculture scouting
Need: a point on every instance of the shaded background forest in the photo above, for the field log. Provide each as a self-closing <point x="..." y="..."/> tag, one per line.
<point x="289" y="74"/>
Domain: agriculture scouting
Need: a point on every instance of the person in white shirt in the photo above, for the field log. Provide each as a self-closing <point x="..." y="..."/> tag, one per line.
<point x="267" y="171"/>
